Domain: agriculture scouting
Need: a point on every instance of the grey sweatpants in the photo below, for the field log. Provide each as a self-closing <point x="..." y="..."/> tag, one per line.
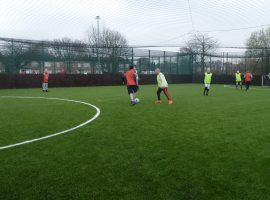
<point x="44" y="86"/>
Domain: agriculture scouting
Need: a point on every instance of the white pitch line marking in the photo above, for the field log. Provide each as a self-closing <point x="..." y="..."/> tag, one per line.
<point x="58" y="133"/>
<point x="233" y="87"/>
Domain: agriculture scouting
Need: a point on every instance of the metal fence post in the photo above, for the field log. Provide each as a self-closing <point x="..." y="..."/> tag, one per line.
<point x="268" y="61"/>
<point x="231" y="66"/>
<point x="222" y="61"/>
<point x="149" y="68"/>
<point x="195" y="61"/>
<point x="227" y="63"/>
<point x="262" y="64"/>
<point x="12" y="47"/>
<point x="164" y="57"/>
<point x="177" y="60"/>
<point x="191" y="64"/>
<point x="182" y="66"/>
<point x="170" y="65"/>
<point x="159" y="64"/>
<point x="132" y="56"/>
<point x="69" y="59"/>
<point x="111" y="69"/>
<point x="13" y="58"/>
<point x="210" y="62"/>
<point x="42" y="58"/>
<point x="245" y="64"/>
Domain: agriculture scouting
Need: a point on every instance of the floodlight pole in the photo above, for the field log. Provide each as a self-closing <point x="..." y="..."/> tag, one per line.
<point x="98" y="18"/>
<point x="98" y="40"/>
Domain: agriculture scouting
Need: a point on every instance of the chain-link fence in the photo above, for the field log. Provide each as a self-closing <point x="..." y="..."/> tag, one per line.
<point x="228" y="63"/>
<point x="23" y="56"/>
<point x="32" y="57"/>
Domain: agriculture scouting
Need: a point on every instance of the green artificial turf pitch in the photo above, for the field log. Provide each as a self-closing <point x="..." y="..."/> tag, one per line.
<point x="215" y="147"/>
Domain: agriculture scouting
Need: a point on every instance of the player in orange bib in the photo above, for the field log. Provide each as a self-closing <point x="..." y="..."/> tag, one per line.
<point x="248" y="79"/>
<point x="132" y="84"/>
<point x="45" y="81"/>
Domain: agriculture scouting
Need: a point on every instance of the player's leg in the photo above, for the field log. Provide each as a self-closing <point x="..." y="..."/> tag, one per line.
<point x="247" y="85"/>
<point x="241" y="85"/>
<point x="132" y="96"/>
<point x="208" y="89"/>
<point x="135" y="90"/>
<point x="130" y="93"/>
<point x="165" y="90"/>
<point x="159" y="90"/>
<point x="132" y="99"/>
<point x="205" y="89"/>
<point x="236" y="84"/>
<point x="46" y="87"/>
<point x="43" y="87"/>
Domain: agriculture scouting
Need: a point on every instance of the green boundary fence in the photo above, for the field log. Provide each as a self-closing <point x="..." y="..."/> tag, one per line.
<point x="32" y="57"/>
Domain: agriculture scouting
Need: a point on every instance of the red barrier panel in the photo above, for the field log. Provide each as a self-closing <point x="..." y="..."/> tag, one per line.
<point x="8" y="81"/>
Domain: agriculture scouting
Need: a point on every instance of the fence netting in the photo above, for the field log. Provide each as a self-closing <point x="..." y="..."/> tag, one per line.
<point x="32" y="57"/>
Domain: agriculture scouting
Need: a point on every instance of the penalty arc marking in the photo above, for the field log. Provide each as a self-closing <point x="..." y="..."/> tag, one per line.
<point x="58" y="133"/>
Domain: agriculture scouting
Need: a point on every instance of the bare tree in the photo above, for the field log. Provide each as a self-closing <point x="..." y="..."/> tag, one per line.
<point x="200" y="45"/>
<point x="259" y="47"/>
<point x="68" y="50"/>
<point x="111" y="46"/>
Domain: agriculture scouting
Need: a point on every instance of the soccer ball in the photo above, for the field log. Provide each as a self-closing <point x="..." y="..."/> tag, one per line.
<point x="137" y="100"/>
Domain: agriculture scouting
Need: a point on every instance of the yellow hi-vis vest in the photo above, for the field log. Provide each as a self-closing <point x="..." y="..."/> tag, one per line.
<point x="161" y="80"/>
<point x="238" y="77"/>
<point x="207" y="78"/>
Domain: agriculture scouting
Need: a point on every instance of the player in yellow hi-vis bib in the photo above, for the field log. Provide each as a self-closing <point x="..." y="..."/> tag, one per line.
<point x="162" y="87"/>
<point x="207" y="82"/>
<point x="238" y="79"/>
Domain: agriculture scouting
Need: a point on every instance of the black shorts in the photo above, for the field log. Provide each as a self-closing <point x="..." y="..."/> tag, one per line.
<point x="132" y="89"/>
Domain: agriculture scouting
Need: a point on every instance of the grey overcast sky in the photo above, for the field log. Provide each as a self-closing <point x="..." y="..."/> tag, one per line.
<point x="143" y="22"/>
